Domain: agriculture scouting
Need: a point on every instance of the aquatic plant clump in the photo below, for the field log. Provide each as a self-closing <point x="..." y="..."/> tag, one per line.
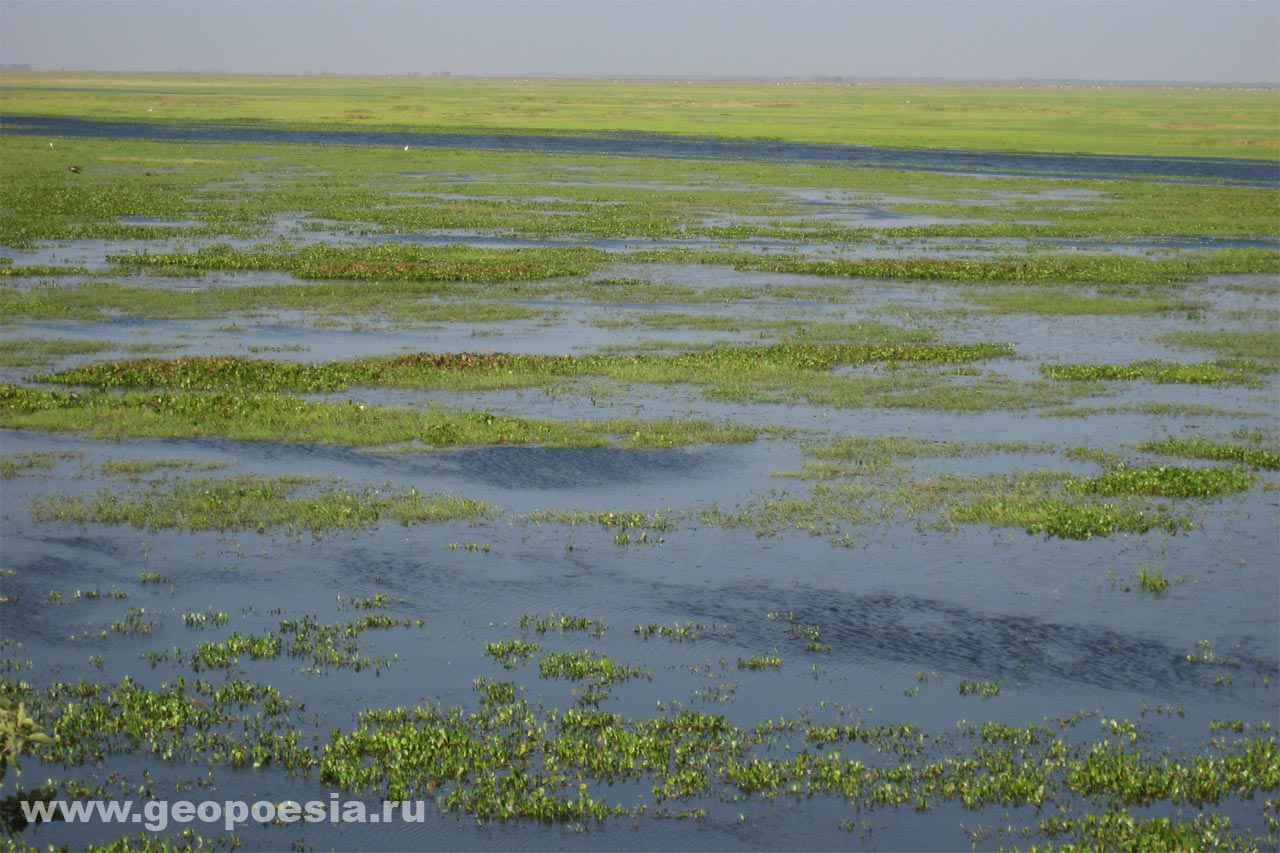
<point x="1166" y="481"/>
<point x="386" y="262"/>
<point x="267" y="417"/>
<point x="229" y="373"/>
<point x="1198" y="447"/>
<point x="1232" y="371"/>
<point x="258" y="503"/>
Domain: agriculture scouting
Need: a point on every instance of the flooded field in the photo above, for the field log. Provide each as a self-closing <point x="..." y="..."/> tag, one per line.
<point x="719" y="496"/>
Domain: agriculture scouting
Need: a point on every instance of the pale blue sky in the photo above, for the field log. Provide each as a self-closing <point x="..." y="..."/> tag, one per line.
<point x="1218" y="41"/>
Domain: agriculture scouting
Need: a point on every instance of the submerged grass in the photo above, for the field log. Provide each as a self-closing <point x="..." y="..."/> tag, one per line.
<point x="1231" y="343"/>
<point x="1042" y="301"/>
<point x="16" y="466"/>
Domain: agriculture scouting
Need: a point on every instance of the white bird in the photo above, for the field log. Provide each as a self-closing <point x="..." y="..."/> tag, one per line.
<point x="406" y="148"/>
<point x="50" y="146"/>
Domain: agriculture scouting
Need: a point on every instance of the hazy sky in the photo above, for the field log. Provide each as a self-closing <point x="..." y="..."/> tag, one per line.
<point x="1160" y="40"/>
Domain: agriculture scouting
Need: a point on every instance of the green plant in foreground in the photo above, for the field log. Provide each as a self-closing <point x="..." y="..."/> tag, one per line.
<point x="19" y="735"/>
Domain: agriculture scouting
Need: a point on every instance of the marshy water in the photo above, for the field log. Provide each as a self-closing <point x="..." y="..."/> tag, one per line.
<point x="1217" y="169"/>
<point x="912" y="609"/>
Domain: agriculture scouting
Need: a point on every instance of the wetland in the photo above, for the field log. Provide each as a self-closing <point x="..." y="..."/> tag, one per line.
<point x="645" y="485"/>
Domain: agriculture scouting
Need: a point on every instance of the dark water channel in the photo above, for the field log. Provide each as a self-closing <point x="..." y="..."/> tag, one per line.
<point x="1194" y="169"/>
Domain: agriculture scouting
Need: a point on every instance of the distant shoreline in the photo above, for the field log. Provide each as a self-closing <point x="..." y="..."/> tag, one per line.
<point x="813" y="80"/>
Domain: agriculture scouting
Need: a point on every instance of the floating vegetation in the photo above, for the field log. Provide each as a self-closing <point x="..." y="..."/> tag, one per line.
<point x="1165" y="481"/>
<point x="258" y="503"/>
<point x="1037" y="501"/>
<point x="229" y="374"/>
<point x="1067" y="520"/>
<point x="1229" y="372"/>
<point x="681" y="632"/>
<point x="206" y="619"/>
<point x="323" y="646"/>
<point x="1207" y="656"/>
<point x="1035" y="269"/>
<point x="507" y="759"/>
<point x="385" y="262"/>
<point x="267" y="417"/>
<point x="1198" y="447"/>
<point x="985" y="689"/>
<point x="622" y="521"/>
<point x="509" y="653"/>
<point x="562" y="623"/>
<point x="587" y="665"/>
<point x="136" y="622"/>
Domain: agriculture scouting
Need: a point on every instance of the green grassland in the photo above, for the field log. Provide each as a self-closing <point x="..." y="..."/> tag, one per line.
<point x="1103" y="120"/>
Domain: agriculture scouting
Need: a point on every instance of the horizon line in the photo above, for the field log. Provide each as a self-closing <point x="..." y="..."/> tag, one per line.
<point x="811" y="79"/>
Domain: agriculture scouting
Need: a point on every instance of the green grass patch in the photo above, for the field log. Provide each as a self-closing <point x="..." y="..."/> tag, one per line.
<point x="385" y="262"/>
<point x="136" y="468"/>
<point x="266" y="417"/>
<point x="1030" y="269"/>
<point x="1198" y="447"/>
<point x="1172" y="121"/>
<point x="777" y="363"/>
<point x="257" y="503"/>
<point x="1068" y="520"/>
<point x="404" y="303"/>
<point x="1166" y="481"/>
<point x="1226" y="372"/>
